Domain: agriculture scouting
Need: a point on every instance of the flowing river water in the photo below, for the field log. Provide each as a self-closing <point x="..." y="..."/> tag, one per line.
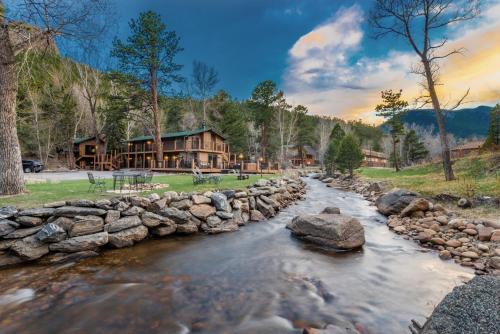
<point x="256" y="280"/>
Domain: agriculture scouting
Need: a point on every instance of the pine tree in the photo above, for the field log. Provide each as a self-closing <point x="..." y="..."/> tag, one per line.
<point x="349" y="156"/>
<point x="493" y="138"/>
<point x="337" y="132"/>
<point x="392" y="108"/>
<point x="305" y="131"/>
<point x="413" y="149"/>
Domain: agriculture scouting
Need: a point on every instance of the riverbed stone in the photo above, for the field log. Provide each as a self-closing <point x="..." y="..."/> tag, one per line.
<point x="64" y="222"/>
<point x="495" y="236"/>
<point x="468" y="308"/>
<point x="81" y="203"/>
<point x="202" y="211"/>
<point x="184" y="204"/>
<point x="224" y="226"/>
<point x="395" y="201"/>
<point x="240" y="194"/>
<point x="133" y="211"/>
<point x="5" y="244"/>
<point x="163" y="230"/>
<point x="82" y="243"/>
<point x="122" y="224"/>
<point x="484" y="234"/>
<point x="418" y="204"/>
<point x="332" y="210"/>
<point x="51" y="233"/>
<point x="29" y="248"/>
<point x="83" y="225"/>
<point x="142" y="202"/>
<point x="29" y="221"/>
<point x="219" y="200"/>
<point x="38" y="212"/>
<point x="256" y="216"/>
<point x="111" y="216"/>
<point x="338" y="230"/>
<point x="471" y="255"/>
<point x="59" y="258"/>
<point x="127" y="237"/>
<point x="464" y="203"/>
<point x="224" y="214"/>
<point x="470" y="231"/>
<point x="22" y="232"/>
<point x="445" y="254"/>
<point x="178" y="216"/>
<point x="157" y="205"/>
<point x="7" y="212"/>
<point x="104" y="204"/>
<point x="453" y="243"/>
<point x="73" y="211"/>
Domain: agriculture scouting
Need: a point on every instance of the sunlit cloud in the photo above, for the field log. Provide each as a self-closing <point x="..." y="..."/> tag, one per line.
<point x="326" y="73"/>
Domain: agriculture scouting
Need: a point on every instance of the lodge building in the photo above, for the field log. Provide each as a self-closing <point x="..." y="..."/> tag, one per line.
<point x="374" y="159"/>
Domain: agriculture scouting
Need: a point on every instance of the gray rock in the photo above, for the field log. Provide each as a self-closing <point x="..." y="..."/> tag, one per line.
<point x="213" y="221"/>
<point x="78" y="244"/>
<point x="121" y="206"/>
<point x="133" y="211"/>
<point x="122" y="224"/>
<point x="111" y="216"/>
<point x="64" y="222"/>
<point x="58" y="258"/>
<point x="251" y="202"/>
<point x="202" y="211"/>
<point x="178" y="216"/>
<point x="5" y="244"/>
<point x="220" y="202"/>
<point x="188" y="228"/>
<point x="29" y="221"/>
<point x="184" y="204"/>
<point x="153" y="197"/>
<point x="104" y="204"/>
<point x="151" y="219"/>
<point x="331" y="210"/>
<point x="80" y="202"/>
<point x="395" y="201"/>
<point x="29" y="248"/>
<point x="142" y="202"/>
<point x="224" y="226"/>
<point x="268" y="200"/>
<point x="84" y="225"/>
<point x="73" y="211"/>
<point x="262" y="183"/>
<point x="22" y="232"/>
<point x="338" y="231"/>
<point x="127" y="238"/>
<point x="54" y="204"/>
<point x="51" y="233"/>
<point x="256" y="216"/>
<point x="7" y="259"/>
<point x="200" y="199"/>
<point x="229" y="193"/>
<point x="164" y="230"/>
<point x="469" y="308"/>
<point x="240" y="194"/>
<point x="418" y="204"/>
<point x="238" y="217"/>
<point x="266" y="209"/>
<point x="7" y="226"/>
<point x="224" y="215"/>
<point x="158" y="205"/>
<point x="464" y="203"/>
<point x="38" y="212"/>
<point x="7" y="212"/>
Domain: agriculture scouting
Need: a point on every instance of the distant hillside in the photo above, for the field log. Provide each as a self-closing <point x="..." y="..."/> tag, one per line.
<point x="462" y="123"/>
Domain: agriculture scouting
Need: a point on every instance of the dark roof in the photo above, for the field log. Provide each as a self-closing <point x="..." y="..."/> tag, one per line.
<point x="176" y="134"/>
<point x="83" y="139"/>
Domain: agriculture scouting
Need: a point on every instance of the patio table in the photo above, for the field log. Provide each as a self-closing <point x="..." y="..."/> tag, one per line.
<point x="131" y="176"/>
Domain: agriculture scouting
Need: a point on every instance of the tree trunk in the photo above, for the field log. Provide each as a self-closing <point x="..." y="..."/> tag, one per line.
<point x="70" y="158"/>
<point x="445" y="148"/>
<point x="395" y="155"/>
<point x="11" y="168"/>
<point x="157" y="119"/>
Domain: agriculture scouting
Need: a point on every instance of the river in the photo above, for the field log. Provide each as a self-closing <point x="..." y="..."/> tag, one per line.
<point x="256" y="280"/>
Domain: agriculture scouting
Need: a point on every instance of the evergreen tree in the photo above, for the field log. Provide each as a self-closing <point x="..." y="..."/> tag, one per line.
<point x="493" y="138"/>
<point x="305" y="131"/>
<point x="413" y="149"/>
<point x="337" y="132"/>
<point x="148" y="54"/>
<point x="349" y="156"/>
<point x="331" y="155"/>
<point x="392" y="108"/>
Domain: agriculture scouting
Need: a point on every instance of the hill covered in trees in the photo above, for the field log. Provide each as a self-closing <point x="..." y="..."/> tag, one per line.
<point x="462" y="123"/>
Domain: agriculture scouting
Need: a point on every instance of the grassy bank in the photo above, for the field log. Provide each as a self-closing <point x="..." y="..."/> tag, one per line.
<point x="476" y="176"/>
<point x="38" y="194"/>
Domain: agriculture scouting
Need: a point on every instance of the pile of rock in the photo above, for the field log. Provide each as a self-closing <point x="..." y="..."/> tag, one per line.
<point x="70" y="230"/>
<point x="472" y="243"/>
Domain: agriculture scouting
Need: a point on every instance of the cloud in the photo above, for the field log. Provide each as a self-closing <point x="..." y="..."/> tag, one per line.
<point x="326" y="72"/>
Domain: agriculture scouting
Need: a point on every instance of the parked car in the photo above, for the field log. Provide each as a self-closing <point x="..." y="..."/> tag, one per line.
<point x="32" y="166"/>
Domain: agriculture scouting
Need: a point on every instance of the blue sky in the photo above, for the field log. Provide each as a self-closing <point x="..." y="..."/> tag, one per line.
<point x="246" y="41"/>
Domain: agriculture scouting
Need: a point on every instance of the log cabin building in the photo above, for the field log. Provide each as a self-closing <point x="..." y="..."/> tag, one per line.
<point x="374" y="159"/>
<point x="471" y="148"/>
<point x="182" y="151"/>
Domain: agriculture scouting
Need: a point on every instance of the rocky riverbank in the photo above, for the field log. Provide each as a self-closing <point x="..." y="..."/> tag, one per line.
<point x="72" y="230"/>
<point x="472" y="243"/>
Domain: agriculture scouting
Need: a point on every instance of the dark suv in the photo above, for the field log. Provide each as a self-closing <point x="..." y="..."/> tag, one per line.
<point x="32" y="166"/>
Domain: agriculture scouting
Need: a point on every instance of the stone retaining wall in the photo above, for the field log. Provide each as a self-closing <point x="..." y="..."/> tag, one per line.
<point x="71" y="230"/>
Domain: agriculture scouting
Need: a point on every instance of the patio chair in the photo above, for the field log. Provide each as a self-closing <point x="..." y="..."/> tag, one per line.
<point x="215" y="179"/>
<point x="96" y="183"/>
<point x="198" y="177"/>
<point x="118" y="180"/>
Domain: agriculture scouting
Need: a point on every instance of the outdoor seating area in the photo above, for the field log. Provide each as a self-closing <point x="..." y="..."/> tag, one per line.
<point x="200" y="178"/>
<point x="129" y="181"/>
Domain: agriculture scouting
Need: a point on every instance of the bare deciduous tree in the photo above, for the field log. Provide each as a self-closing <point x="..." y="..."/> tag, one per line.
<point x="41" y="20"/>
<point x="205" y="78"/>
<point x="325" y="126"/>
<point x="419" y="22"/>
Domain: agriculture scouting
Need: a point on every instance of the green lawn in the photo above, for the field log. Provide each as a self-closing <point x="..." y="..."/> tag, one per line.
<point x="38" y="194"/>
<point x="479" y="174"/>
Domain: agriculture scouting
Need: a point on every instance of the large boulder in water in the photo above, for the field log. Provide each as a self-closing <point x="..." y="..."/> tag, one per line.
<point x="395" y="201"/>
<point x="469" y="308"/>
<point x="332" y="230"/>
